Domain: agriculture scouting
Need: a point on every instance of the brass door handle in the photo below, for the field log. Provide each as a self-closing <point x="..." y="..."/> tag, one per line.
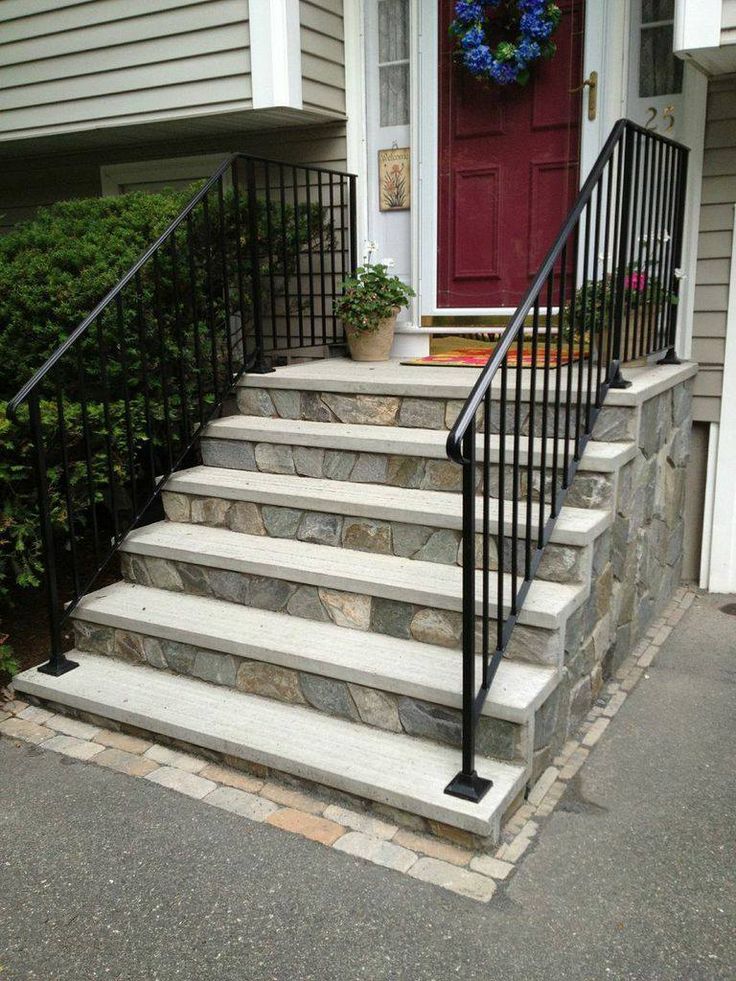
<point x="591" y="84"/>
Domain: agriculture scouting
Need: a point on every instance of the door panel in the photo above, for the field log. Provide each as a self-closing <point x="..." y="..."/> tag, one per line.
<point x="508" y="169"/>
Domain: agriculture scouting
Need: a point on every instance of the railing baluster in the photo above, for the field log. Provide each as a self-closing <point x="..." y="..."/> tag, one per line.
<point x="583" y="327"/>
<point x="629" y="341"/>
<point x="210" y="291"/>
<point x="593" y="329"/>
<point x="333" y="252"/>
<point x="515" y="472"/>
<point x="569" y="367"/>
<point x="68" y="490"/>
<point x="103" y="361"/>
<point x="298" y="250"/>
<point x="193" y="309"/>
<point x="58" y="663"/>
<point x="125" y="371"/>
<point x="310" y="260"/>
<point x="270" y="250"/>
<point x="225" y="283"/>
<point x="234" y="177"/>
<point x="562" y="324"/>
<point x="603" y="337"/>
<point x="178" y="327"/>
<point x="144" y="366"/>
<point x="285" y="254"/>
<point x="503" y="401"/>
<point x="163" y="365"/>
<point x="545" y="411"/>
<point x="322" y="285"/>
<point x="530" y="451"/>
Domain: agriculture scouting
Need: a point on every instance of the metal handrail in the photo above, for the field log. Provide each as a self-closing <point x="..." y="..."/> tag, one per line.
<point x="600" y="322"/>
<point x="175" y="330"/>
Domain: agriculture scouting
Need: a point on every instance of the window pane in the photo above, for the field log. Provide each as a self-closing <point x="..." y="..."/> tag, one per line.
<point x="393" y="30"/>
<point x="394" y="81"/>
<point x="653" y="10"/>
<point x="660" y="72"/>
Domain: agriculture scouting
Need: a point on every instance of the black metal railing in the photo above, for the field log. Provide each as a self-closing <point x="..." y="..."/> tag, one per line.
<point x="249" y="270"/>
<point x="606" y="293"/>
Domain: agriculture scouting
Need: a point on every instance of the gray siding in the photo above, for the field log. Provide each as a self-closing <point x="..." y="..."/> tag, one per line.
<point x="323" y="55"/>
<point x="714" y="247"/>
<point x="728" y="22"/>
<point x="67" y="65"/>
<point x="31" y="182"/>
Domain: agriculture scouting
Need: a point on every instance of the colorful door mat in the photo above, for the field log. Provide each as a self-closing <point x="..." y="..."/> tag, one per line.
<point x="477" y="356"/>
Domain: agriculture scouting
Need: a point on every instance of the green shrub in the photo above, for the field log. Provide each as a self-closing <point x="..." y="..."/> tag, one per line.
<point x="163" y="347"/>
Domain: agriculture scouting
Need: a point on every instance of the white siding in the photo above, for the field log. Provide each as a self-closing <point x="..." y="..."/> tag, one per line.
<point x="67" y="66"/>
<point x="323" y="55"/>
<point x="728" y="22"/>
<point x="714" y="247"/>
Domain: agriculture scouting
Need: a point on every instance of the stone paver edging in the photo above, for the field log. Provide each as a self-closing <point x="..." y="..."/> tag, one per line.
<point x="475" y="875"/>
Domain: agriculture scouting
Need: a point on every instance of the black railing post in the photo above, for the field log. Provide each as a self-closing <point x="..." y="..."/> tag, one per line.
<point x="674" y="285"/>
<point x="58" y="663"/>
<point x="622" y="251"/>
<point x="260" y="365"/>
<point x="353" y="223"/>
<point x="467" y="784"/>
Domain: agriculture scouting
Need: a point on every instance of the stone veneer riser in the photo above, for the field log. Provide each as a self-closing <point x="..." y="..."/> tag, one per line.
<point x="560" y="563"/>
<point x="636" y="567"/>
<point x="615" y="423"/>
<point x="394" y="618"/>
<point x="590" y="489"/>
<point x="497" y="738"/>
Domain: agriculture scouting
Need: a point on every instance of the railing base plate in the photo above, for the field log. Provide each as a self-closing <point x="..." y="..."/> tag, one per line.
<point x="58" y="667"/>
<point x="670" y="358"/>
<point x="469" y="786"/>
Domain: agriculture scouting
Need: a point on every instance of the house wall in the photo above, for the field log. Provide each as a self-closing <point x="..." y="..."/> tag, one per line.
<point x="728" y="22"/>
<point x="31" y="182"/>
<point x="323" y="54"/>
<point x="714" y="247"/>
<point x="67" y="65"/>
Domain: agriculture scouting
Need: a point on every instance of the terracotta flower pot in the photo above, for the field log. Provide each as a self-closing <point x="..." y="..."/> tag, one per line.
<point x="372" y="345"/>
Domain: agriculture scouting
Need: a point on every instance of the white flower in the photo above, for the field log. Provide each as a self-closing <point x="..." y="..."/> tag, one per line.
<point x="679" y="274"/>
<point x="370" y="248"/>
<point x="389" y="263"/>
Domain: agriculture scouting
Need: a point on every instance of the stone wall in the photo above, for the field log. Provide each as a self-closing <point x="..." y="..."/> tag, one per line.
<point x="636" y="563"/>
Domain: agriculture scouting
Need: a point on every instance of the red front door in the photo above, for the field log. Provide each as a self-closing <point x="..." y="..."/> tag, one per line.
<point x="508" y="168"/>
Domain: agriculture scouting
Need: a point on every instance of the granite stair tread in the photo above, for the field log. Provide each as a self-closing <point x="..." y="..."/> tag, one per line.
<point x="396" y="769"/>
<point x="404" y="667"/>
<point x="399" y="440"/>
<point x="547" y="605"/>
<point x="440" y="509"/>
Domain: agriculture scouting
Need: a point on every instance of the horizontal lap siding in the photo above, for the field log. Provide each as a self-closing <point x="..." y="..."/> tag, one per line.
<point x="66" y="66"/>
<point x="728" y="22"/>
<point x="323" y="55"/>
<point x="30" y="183"/>
<point x="714" y="246"/>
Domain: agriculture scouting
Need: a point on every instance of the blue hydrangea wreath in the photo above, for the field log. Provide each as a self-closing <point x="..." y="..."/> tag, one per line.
<point x="525" y="26"/>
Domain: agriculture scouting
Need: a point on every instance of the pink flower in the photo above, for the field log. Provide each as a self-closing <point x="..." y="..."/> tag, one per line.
<point x="636" y="281"/>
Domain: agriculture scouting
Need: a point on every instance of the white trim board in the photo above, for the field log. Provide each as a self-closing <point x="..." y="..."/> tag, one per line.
<point x="275" y="53"/>
<point x="721" y="571"/>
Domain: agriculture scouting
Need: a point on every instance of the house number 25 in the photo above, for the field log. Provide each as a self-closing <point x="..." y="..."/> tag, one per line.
<point x="668" y="114"/>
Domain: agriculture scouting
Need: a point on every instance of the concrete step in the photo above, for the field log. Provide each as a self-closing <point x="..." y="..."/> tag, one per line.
<point x="426" y="585"/>
<point x="388" y="441"/>
<point x="436" y="509"/>
<point x="393" y="769"/>
<point x="395" y="684"/>
<point x="342" y="375"/>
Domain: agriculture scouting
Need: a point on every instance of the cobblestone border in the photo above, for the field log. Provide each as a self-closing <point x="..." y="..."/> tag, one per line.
<point x="475" y="875"/>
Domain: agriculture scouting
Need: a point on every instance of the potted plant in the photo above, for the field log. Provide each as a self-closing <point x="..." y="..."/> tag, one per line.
<point x="370" y="302"/>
